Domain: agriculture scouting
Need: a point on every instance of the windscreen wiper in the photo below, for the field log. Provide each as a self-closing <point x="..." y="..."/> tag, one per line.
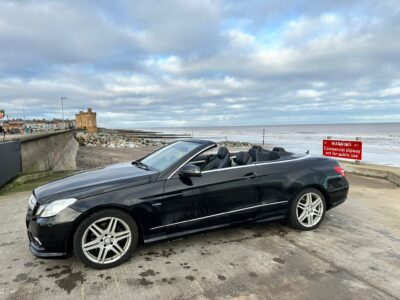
<point x="140" y="165"/>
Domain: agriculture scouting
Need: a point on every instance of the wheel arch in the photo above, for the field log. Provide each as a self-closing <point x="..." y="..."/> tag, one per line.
<point x="319" y="188"/>
<point x="87" y="213"/>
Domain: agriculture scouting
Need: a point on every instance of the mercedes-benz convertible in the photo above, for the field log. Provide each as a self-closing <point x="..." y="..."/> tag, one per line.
<point x="181" y="189"/>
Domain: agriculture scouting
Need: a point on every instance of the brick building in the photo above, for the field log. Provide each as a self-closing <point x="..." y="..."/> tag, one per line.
<point x="86" y="120"/>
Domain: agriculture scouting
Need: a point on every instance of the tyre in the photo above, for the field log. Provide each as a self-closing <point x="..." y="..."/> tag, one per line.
<point x="106" y="239"/>
<point x="307" y="210"/>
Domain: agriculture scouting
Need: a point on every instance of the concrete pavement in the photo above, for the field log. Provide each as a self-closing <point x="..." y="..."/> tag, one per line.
<point x="355" y="254"/>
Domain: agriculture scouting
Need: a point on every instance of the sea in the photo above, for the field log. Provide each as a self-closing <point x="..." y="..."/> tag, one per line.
<point x="381" y="141"/>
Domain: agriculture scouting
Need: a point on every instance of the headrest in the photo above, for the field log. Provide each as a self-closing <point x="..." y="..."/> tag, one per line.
<point x="278" y="149"/>
<point x="257" y="147"/>
<point x="242" y="158"/>
<point x="222" y="152"/>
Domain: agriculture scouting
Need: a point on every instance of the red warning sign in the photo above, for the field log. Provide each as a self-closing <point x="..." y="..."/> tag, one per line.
<point x="342" y="149"/>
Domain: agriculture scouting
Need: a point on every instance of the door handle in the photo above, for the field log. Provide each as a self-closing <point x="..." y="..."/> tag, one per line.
<point x="157" y="204"/>
<point x="250" y="175"/>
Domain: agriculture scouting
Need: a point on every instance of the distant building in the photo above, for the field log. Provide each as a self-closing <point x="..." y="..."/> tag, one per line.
<point x="86" y="121"/>
<point x="14" y="126"/>
<point x="30" y="126"/>
<point x="49" y="125"/>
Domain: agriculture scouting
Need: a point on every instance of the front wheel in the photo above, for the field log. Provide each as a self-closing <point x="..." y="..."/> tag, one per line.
<point x="106" y="239"/>
<point x="307" y="210"/>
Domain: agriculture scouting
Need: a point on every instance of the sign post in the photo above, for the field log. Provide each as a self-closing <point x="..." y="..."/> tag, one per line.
<point x="342" y="149"/>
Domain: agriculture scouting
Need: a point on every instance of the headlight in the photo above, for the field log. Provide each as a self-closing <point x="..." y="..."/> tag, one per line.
<point x="53" y="208"/>
<point x="32" y="202"/>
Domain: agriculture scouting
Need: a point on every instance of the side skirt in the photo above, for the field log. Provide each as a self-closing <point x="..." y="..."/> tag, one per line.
<point x="211" y="228"/>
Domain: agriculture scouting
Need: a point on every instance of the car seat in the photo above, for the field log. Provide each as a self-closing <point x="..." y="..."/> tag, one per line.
<point x="221" y="160"/>
<point x="243" y="158"/>
<point x="281" y="151"/>
<point x="267" y="156"/>
<point x="254" y="154"/>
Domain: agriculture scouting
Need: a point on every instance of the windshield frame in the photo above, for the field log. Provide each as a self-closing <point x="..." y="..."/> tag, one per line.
<point x="169" y="172"/>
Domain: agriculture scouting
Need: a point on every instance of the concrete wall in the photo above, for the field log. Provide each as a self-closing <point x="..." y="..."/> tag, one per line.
<point x="387" y="172"/>
<point x="51" y="152"/>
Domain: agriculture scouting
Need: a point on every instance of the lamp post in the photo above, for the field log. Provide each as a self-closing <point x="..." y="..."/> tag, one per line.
<point x="263" y="136"/>
<point x="62" y="110"/>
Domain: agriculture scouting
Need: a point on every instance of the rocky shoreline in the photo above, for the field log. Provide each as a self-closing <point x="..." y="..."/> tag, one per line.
<point x="124" y="139"/>
<point x="110" y="146"/>
<point x="115" y="140"/>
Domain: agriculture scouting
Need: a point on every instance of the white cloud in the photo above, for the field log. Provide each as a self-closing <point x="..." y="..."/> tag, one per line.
<point x="308" y="93"/>
<point x="393" y="91"/>
<point x="184" y="63"/>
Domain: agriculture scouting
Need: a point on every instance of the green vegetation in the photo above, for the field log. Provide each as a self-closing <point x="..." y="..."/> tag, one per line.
<point x="26" y="183"/>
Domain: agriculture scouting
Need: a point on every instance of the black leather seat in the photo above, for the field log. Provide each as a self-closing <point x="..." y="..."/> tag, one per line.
<point x="257" y="147"/>
<point x="221" y="160"/>
<point x="281" y="151"/>
<point x="254" y="154"/>
<point x="272" y="155"/>
<point x="260" y="148"/>
<point x="278" y="149"/>
<point x="263" y="155"/>
<point x="243" y="158"/>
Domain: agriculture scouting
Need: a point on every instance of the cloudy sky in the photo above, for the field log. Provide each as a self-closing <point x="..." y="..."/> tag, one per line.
<point x="201" y="63"/>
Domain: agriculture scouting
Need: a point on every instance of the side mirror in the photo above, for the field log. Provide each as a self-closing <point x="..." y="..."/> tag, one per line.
<point x="190" y="170"/>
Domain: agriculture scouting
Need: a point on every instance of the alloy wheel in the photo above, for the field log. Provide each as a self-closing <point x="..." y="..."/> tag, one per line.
<point x="309" y="209"/>
<point x="106" y="240"/>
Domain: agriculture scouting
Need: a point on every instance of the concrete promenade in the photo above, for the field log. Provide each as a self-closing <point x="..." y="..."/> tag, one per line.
<point x="355" y="254"/>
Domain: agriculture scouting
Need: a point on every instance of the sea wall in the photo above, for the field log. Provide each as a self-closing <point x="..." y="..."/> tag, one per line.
<point x="50" y="152"/>
<point x="378" y="171"/>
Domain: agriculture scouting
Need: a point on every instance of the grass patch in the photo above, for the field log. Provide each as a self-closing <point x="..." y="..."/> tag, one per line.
<point x="16" y="186"/>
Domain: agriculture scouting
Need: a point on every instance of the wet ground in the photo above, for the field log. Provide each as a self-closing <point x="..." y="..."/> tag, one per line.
<point x="355" y="254"/>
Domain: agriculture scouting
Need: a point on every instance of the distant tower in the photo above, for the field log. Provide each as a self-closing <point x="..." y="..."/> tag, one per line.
<point x="86" y="120"/>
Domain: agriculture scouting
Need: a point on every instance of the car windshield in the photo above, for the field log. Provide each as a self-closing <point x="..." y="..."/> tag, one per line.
<point x="169" y="155"/>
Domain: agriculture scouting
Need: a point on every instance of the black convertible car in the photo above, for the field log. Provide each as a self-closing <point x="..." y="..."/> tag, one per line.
<point x="180" y="189"/>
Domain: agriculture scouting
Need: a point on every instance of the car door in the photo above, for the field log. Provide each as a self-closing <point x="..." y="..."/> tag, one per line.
<point x="272" y="188"/>
<point x="216" y="198"/>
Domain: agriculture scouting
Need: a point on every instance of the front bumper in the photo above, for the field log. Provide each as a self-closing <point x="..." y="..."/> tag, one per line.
<point x="40" y="251"/>
<point x="49" y="237"/>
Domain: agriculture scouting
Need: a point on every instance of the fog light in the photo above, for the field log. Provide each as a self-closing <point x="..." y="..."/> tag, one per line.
<point x="37" y="241"/>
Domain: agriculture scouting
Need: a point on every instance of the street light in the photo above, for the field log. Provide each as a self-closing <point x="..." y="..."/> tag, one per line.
<point x="62" y="107"/>
<point x="62" y="110"/>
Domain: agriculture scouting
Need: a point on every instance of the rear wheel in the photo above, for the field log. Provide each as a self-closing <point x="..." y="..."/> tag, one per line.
<point x="307" y="210"/>
<point x="106" y="239"/>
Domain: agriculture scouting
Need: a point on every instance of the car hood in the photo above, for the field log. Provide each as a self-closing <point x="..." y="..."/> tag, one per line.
<point x="98" y="181"/>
